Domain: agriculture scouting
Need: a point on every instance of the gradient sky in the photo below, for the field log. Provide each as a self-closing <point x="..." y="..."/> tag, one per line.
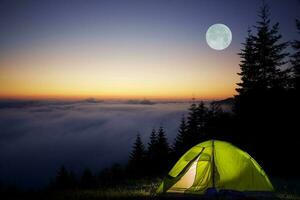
<point x="125" y="49"/>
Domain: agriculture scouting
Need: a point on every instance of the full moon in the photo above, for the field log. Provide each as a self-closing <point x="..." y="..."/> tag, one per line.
<point x="218" y="36"/>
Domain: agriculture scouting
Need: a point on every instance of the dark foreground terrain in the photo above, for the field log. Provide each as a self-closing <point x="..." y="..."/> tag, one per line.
<point x="285" y="190"/>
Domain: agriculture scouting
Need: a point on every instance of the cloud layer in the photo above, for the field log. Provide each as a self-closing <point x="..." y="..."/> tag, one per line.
<point x="36" y="138"/>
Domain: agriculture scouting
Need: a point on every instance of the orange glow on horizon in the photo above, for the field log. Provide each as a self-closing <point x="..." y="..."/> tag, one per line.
<point x="177" y="73"/>
<point x="113" y="97"/>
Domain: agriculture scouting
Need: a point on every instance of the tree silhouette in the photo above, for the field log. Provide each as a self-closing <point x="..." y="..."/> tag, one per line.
<point x="250" y="76"/>
<point x="87" y="180"/>
<point x="264" y="86"/>
<point x="196" y="122"/>
<point x="201" y="114"/>
<point x="215" y="110"/>
<point x="192" y="126"/>
<point x="137" y="158"/>
<point x="163" y="151"/>
<point x="219" y="124"/>
<point x="262" y="59"/>
<point x="249" y="70"/>
<point x="116" y="174"/>
<point x="269" y="52"/>
<point x="295" y="59"/>
<point x="152" y="153"/>
<point x="152" y="144"/>
<point x="162" y="142"/>
<point x="64" y="179"/>
<point x="180" y="142"/>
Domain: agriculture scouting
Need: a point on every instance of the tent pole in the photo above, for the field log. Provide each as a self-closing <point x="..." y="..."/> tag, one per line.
<point x="213" y="164"/>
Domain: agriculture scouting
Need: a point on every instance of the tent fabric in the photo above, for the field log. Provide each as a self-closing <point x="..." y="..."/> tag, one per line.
<point x="215" y="164"/>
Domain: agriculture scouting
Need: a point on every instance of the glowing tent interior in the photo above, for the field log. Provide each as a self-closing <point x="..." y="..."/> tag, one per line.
<point x="218" y="165"/>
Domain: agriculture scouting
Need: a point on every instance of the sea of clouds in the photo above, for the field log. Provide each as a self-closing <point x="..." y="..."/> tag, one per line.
<point x="37" y="137"/>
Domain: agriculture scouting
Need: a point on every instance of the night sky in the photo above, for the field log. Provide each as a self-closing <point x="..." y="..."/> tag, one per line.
<point x="125" y="49"/>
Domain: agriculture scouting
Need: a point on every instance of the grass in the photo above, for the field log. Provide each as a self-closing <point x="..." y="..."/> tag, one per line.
<point x="144" y="190"/>
<point x="115" y="193"/>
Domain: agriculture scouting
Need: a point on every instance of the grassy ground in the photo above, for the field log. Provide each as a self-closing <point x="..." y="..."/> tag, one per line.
<point x="286" y="190"/>
<point x="130" y="194"/>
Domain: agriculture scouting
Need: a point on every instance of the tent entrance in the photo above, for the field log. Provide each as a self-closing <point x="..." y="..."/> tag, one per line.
<point x="203" y="179"/>
<point x="187" y="180"/>
<point x="196" y="177"/>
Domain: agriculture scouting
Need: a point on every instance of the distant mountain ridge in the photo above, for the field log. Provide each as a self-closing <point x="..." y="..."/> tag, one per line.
<point x="228" y="101"/>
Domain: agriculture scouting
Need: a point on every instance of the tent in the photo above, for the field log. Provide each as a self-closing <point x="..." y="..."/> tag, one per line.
<point x="215" y="165"/>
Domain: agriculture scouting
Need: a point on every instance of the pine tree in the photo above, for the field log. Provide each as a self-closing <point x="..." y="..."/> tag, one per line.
<point x="88" y="180"/>
<point x="295" y="60"/>
<point x="216" y="122"/>
<point x="162" y="143"/>
<point x="249" y="70"/>
<point x="201" y="113"/>
<point x="180" y="146"/>
<point x="163" y="150"/>
<point x="138" y="153"/>
<point x="192" y="126"/>
<point x="250" y="75"/>
<point x="196" y="120"/>
<point x="152" y="144"/>
<point x="64" y="179"/>
<point x="152" y="154"/>
<point x="215" y="110"/>
<point x="137" y="158"/>
<point x="262" y="60"/>
<point x="269" y="53"/>
<point x="264" y="86"/>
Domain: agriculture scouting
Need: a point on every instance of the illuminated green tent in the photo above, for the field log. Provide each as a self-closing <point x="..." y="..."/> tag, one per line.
<point x="215" y="164"/>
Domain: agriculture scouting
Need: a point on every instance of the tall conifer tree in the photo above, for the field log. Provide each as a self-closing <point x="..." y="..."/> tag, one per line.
<point x="137" y="158"/>
<point x="296" y="60"/>
<point x="269" y="53"/>
<point x="180" y="145"/>
<point x="163" y="151"/>
<point x="249" y="70"/>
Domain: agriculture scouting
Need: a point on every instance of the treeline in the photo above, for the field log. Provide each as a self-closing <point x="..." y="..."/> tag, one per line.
<point x="109" y="177"/>
<point x="267" y="104"/>
<point x="66" y="180"/>
<point x="160" y="155"/>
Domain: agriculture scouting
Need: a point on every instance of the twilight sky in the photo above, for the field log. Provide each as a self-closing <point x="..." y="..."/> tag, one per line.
<point x="125" y="49"/>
